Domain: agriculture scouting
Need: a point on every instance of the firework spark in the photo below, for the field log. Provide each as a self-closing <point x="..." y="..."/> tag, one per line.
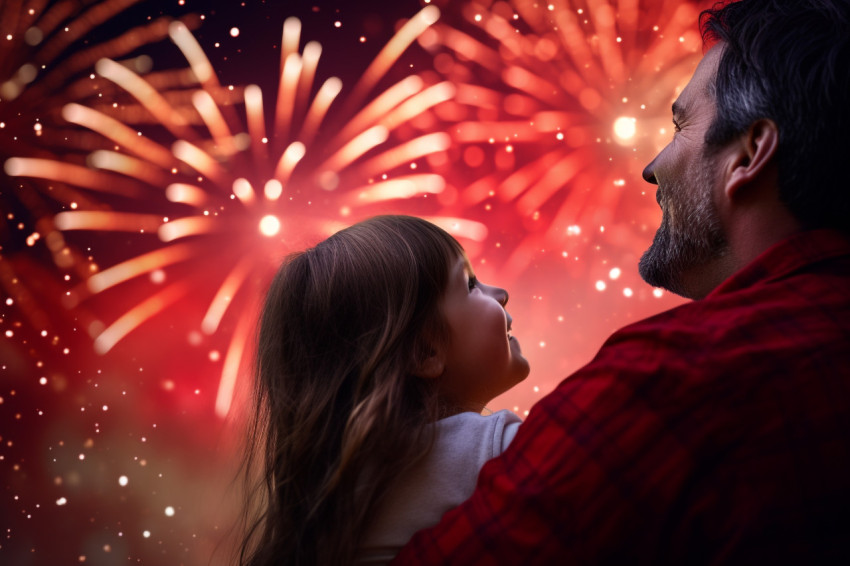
<point x="559" y="104"/>
<point x="46" y="60"/>
<point x="225" y="205"/>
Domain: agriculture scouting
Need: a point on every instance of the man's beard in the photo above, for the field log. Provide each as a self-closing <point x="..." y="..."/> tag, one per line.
<point x="690" y="234"/>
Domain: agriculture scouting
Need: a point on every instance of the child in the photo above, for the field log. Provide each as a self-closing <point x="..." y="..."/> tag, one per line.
<point x="377" y="350"/>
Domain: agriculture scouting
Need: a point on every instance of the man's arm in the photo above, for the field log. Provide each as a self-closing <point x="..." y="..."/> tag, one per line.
<point x="594" y="462"/>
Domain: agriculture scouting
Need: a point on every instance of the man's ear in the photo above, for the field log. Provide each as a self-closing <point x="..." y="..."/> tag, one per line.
<point x="431" y="367"/>
<point x="752" y="155"/>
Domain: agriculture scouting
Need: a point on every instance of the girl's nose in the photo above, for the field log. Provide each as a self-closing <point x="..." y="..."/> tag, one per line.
<point x="501" y="295"/>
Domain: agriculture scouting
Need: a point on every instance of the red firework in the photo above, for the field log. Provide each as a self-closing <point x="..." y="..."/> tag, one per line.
<point x="228" y="200"/>
<point x="46" y="59"/>
<point x="559" y="106"/>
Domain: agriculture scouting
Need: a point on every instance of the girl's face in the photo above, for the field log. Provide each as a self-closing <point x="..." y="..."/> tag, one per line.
<point x="482" y="359"/>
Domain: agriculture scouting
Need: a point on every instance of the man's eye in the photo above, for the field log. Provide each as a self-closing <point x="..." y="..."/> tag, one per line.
<point x="472" y="282"/>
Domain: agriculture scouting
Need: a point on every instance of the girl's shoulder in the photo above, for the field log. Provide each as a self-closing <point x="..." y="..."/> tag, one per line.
<point x="490" y="434"/>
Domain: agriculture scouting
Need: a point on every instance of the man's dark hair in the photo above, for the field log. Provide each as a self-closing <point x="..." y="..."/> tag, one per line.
<point x="789" y="61"/>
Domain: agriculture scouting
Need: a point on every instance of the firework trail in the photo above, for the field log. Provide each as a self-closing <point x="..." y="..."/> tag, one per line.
<point x="46" y="61"/>
<point x="221" y="204"/>
<point x="559" y="106"/>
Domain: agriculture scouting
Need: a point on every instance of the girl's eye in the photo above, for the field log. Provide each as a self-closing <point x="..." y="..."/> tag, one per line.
<point x="472" y="282"/>
<point x="676" y="127"/>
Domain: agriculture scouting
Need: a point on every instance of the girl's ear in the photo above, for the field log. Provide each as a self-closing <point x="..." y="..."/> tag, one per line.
<point x="431" y="367"/>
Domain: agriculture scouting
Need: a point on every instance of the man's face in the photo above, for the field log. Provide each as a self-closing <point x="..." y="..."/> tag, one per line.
<point x="691" y="234"/>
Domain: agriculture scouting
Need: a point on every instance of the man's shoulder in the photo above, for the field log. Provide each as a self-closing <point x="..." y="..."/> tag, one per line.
<point x="776" y="331"/>
<point x="801" y="286"/>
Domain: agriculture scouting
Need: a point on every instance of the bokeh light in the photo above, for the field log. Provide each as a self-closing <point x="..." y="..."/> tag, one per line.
<point x="323" y="165"/>
<point x="160" y="158"/>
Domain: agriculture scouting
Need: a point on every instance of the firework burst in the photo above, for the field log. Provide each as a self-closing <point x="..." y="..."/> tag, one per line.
<point x="46" y="60"/>
<point x="222" y="202"/>
<point x="559" y="105"/>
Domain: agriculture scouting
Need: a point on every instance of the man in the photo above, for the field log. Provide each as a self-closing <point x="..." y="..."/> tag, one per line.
<point x="717" y="432"/>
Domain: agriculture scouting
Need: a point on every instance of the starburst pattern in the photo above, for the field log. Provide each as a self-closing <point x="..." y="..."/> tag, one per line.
<point x="226" y="200"/>
<point x="559" y="106"/>
<point x="46" y="61"/>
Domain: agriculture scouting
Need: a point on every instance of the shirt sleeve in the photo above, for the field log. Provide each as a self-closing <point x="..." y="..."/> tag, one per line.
<point x="602" y="458"/>
<point x="561" y="460"/>
<point x="509" y="431"/>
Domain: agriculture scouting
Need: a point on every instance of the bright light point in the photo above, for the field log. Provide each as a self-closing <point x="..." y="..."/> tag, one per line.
<point x="61" y="501"/>
<point x="600" y="285"/>
<point x="625" y="127"/>
<point x="214" y="355"/>
<point x="615" y="273"/>
<point x="627" y="292"/>
<point x="169" y="511"/>
<point x="573" y="230"/>
<point x="234" y="32"/>
<point x="620" y="183"/>
<point x="477" y="17"/>
<point x="43" y="381"/>
<point x="273" y="189"/>
<point x="123" y="481"/>
<point x="269" y="225"/>
<point x="157" y="276"/>
<point x="657" y="293"/>
<point x="146" y="534"/>
<point x="242" y="189"/>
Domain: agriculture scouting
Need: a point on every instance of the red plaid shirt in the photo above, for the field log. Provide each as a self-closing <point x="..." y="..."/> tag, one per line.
<point x="714" y="433"/>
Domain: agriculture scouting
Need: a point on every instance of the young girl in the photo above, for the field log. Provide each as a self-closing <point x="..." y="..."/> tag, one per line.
<point x="377" y="350"/>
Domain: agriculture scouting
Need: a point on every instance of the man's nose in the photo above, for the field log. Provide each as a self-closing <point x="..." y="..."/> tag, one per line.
<point x="649" y="173"/>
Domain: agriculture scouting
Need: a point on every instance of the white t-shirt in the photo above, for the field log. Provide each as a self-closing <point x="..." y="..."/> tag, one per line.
<point x="444" y="480"/>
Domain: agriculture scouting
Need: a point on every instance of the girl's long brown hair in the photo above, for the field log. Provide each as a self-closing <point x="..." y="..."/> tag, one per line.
<point x="339" y="410"/>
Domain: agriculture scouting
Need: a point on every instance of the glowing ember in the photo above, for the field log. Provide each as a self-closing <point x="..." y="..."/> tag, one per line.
<point x="625" y="128"/>
<point x="269" y="225"/>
